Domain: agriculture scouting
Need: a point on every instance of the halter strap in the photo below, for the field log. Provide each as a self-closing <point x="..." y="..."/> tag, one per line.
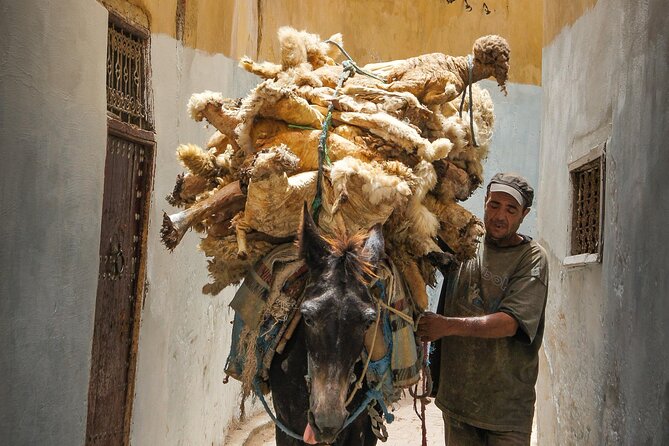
<point x="372" y="395"/>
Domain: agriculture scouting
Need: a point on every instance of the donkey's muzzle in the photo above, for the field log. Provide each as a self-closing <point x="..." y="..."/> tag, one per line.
<point x="327" y="425"/>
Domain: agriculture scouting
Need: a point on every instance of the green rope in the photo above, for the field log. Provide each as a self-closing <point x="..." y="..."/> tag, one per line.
<point x="301" y="127"/>
<point x="323" y="156"/>
<point x="350" y="69"/>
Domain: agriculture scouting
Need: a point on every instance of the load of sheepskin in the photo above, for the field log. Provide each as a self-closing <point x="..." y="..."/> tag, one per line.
<point x="401" y="146"/>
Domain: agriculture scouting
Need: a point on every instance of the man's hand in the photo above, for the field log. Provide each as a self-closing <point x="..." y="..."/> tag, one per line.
<point x="431" y="327"/>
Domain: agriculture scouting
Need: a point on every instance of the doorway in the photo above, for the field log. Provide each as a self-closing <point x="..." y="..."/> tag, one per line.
<point x="129" y="166"/>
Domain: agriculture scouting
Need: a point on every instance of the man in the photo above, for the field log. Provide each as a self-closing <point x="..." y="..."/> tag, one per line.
<point x="492" y="327"/>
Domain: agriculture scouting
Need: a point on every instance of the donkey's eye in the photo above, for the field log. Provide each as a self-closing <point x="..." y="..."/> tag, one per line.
<point x="308" y="320"/>
<point x="307" y="310"/>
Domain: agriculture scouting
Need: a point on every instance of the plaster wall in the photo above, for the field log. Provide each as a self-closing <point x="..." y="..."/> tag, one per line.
<point x="373" y="30"/>
<point x="605" y="374"/>
<point x="515" y="147"/>
<point x="53" y="136"/>
<point x="52" y="151"/>
<point x="185" y="335"/>
<point x="378" y="30"/>
<point x="515" y="144"/>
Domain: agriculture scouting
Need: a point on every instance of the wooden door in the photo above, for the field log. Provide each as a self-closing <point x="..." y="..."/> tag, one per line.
<point x="128" y="167"/>
<point x="127" y="185"/>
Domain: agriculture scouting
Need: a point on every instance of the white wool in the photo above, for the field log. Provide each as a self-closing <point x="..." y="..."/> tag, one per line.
<point x="423" y="227"/>
<point x="332" y="50"/>
<point x="456" y="129"/>
<point x="378" y="186"/>
<point x="263" y="94"/>
<point x="484" y="116"/>
<point x="381" y="188"/>
<point x="427" y="179"/>
<point x="389" y="139"/>
<point x="424" y="221"/>
<point x="199" y="101"/>
<point x="450" y="91"/>
<point x="436" y="150"/>
<point x="301" y="180"/>
<point x="224" y="160"/>
<point x="293" y="48"/>
<point x="389" y="128"/>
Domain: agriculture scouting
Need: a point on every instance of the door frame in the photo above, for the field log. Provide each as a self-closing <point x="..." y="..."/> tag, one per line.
<point x="147" y="139"/>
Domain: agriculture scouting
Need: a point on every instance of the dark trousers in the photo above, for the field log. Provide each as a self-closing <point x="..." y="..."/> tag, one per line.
<point x="457" y="433"/>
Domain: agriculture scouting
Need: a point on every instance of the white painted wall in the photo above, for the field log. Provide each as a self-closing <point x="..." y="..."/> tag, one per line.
<point x="605" y="374"/>
<point x="185" y="335"/>
<point x="568" y="392"/>
<point x="514" y="148"/>
<point x="53" y="132"/>
<point x="53" y="137"/>
<point x="515" y="144"/>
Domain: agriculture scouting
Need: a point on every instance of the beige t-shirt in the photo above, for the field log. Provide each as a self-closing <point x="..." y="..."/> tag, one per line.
<point x="489" y="383"/>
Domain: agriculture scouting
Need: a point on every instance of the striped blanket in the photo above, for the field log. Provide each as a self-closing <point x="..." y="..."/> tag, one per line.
<point x="252" y="298"/>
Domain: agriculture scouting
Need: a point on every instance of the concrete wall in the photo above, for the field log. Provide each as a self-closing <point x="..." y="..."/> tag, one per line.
<point x="373" y="30"/>
<point x="515" y="144"/>
<point x="376" y="30"/>
<point x="185" y="335"/>
<point x="52" y="154"/>
<point x="605" y="378"/>
<point x="53" y="136"/>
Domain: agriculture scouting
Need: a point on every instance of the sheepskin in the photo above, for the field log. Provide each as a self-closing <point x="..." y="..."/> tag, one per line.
<point x="398" y="153"/>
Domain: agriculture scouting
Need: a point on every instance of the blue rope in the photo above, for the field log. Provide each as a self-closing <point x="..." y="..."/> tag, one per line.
<point x="373" y="394"/>
<point x="380" y="366"/>
<point x="323" y="157"/>
<point x="258" y="392"/>
<point x="387" y="331"/>
<point x="350" y="68"/>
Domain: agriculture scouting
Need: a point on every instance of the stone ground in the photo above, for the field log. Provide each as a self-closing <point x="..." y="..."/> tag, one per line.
<point x="404" y="431"/>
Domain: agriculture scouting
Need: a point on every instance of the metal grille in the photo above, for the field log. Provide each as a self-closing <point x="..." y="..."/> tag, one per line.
<point x="126" y="77"/>
<point x="586" y="218"/>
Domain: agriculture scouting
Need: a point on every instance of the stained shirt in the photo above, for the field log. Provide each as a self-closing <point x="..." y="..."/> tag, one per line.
<point x="489" y="383"/>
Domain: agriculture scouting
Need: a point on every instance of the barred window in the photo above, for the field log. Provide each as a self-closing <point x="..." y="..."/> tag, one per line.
<point x="587" y="177"/>
<point x="127" y="74"/>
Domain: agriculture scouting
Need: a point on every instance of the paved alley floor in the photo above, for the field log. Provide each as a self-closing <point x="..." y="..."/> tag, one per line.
<point x="404" y="431"/>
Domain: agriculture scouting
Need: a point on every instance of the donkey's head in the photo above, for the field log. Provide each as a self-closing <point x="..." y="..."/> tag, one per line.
<point x="337" y="311"/>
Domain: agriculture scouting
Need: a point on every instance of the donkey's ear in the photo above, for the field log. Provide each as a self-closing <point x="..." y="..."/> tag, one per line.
<point x="375" y="246"/>
<point x="312" y="248"/>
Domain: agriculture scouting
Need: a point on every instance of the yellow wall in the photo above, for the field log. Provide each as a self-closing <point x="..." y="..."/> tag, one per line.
<point x="377" y="30"/>
<point x="373" y="30"/>
<point x="561" y="13"/>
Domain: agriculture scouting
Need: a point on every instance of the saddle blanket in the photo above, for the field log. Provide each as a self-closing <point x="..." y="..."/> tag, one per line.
<point x="283" y="265"/>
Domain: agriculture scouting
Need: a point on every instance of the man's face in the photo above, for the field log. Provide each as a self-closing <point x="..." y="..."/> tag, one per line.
<point x="503" y="216"/>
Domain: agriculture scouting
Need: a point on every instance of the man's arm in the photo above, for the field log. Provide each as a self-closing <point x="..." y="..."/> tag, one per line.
<point x="497" y="325"/>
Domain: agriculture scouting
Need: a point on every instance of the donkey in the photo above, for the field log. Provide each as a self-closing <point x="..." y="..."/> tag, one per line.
<point x="312" y="378"/>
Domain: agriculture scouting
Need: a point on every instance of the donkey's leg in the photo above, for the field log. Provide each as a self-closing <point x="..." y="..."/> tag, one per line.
<point x="283" y="439"/>
<point x="358" y="433"/>
<point x="289" y="389"/>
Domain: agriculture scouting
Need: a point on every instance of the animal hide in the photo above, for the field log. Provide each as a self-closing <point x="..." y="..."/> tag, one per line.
<point x="398" y="154"/>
